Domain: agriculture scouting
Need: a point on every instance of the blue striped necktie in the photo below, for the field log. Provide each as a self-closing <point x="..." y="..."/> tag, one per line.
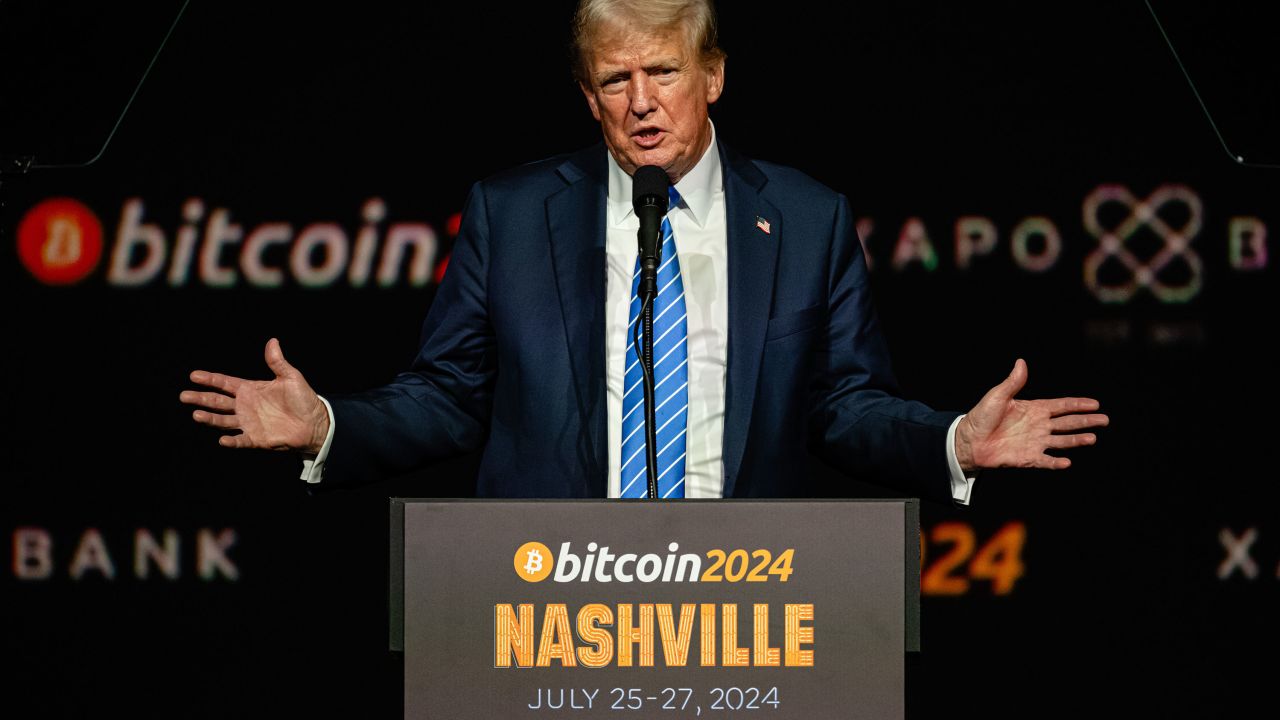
<point x="670" y="378"/>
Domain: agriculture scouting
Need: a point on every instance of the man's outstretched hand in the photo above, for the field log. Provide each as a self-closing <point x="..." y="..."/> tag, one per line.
<point x="279" y="414"/>
<point x="1001" y="431"/>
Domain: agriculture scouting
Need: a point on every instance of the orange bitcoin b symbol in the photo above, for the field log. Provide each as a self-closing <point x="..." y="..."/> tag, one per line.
<point x="533" y="562"/>
<point x="60" y="241"/>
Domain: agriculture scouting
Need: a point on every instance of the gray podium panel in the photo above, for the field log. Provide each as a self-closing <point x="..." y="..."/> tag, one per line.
<point x="598" y="608"/>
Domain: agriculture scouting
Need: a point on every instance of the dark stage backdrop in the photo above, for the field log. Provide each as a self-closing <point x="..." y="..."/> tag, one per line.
<point x="1032" y="180"/>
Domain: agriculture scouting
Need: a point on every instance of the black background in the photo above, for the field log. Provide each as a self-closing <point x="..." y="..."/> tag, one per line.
<point x="290" y="112"/>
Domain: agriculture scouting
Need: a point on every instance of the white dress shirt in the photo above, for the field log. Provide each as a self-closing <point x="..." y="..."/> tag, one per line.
<point x="701" y="236"/>
<point x="698" y="224"/>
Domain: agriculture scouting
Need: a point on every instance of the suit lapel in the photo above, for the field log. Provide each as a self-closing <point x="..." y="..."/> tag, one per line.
<point x="576" y="227"/>
<point x="753" y="259"/>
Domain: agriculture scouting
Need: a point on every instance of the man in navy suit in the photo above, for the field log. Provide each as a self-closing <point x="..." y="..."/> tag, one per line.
<point x="524" y="350"/>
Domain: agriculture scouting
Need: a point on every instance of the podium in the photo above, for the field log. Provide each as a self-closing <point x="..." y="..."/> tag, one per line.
<point x="635" y="609"/>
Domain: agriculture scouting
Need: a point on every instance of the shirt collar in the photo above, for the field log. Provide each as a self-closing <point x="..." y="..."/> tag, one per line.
<point x="696" y="188"/>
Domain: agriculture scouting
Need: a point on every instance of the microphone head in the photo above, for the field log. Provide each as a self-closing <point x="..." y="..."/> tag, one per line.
<point x="649" y="188"/>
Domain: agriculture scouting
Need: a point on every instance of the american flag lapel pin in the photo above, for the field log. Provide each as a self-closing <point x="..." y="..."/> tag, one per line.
<point x="762" y="224"/>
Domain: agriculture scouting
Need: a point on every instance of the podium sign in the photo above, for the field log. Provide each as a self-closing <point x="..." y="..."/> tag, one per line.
<point x="599" y="608"/>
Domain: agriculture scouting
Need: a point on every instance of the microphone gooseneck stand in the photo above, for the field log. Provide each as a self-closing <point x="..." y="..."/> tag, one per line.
<point x="649" y="197"/>
<point x="644" y="352"/>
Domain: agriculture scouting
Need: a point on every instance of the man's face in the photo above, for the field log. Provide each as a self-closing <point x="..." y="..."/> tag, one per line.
<point x="650" y="94"/>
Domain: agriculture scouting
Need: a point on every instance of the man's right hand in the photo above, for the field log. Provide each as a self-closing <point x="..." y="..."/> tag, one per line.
<point x="280" y="414"/>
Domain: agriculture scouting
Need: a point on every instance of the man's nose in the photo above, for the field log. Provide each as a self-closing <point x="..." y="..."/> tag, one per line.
<point x="642" y="102"/>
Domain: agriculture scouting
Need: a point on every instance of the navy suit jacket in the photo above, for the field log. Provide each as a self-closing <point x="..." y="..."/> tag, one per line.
<point x="513" y="352"/>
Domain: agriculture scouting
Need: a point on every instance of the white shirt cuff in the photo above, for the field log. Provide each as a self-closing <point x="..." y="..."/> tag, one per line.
<point x="313" y="466"/>
<point x="961" y="484"/>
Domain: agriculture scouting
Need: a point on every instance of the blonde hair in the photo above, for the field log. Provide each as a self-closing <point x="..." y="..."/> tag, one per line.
<point x="695" y="18"/>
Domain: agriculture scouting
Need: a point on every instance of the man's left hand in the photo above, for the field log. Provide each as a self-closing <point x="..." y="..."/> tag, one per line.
<point x="1001" y="431"/>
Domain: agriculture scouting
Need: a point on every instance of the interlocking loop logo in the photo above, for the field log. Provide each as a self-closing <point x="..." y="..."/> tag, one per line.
<point x="1143" y="213"/>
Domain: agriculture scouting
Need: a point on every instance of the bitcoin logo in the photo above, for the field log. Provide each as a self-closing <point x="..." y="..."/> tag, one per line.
<point x="60" y="241"/>
<point x="533" y="562"/>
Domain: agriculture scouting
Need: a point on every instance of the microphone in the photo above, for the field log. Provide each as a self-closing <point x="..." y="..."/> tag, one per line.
<point x="649" y="197"/>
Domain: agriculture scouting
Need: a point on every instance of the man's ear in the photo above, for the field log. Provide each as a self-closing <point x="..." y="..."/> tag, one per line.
<point x="591" y="100"/>
<point x="715" y="82"/>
